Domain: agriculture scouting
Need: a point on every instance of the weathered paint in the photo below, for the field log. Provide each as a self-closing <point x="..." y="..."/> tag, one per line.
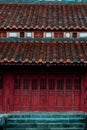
<point x="46" y="99"/>
<point x="46" y="121"/>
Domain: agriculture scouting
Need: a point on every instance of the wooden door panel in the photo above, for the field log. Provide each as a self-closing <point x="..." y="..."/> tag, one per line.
<point x="51" y="109"/>
<point x="68" y="92"/>
<point x="1" y="109"/>
<point x="34" y="100"/>
<point x="17" y="92"/>
<point x="34" y="108"/>
<point x="60" y="92"/>
<point x="59" y="100"/>
<point x="26" y="100"/>
<point x="25" y="108"/>
<point x="43" y="100"/>
<point x="77" y="92"/>
<point x="25" y="92"/>
<point x="1" y="103"/>
<point x="1" y="100"/>
<point x="59" y="109"/>
<point x="43" y="108"/>
<point x="43" y="92"/>
<point x="77" y="108"/>
<point x="51" y="100"/>
<point x="34" y="92"/>
<point x="17" y="100"/>
<point x="68" y="108"/>
<point x="51" y="92"/>
<point x="1" y="92"/>
<point x="68" y="100"/>
<point x="47" y="94"/>
<point x="17" y="108"/>
<point x="77" y="100"/>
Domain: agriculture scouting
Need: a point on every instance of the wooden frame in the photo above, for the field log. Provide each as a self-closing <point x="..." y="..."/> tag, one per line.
<point x="41" y="34"/>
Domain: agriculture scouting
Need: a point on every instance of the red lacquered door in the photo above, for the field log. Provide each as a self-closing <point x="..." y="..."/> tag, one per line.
<point x="47" y="92"/>
<point x="43" y="101"/>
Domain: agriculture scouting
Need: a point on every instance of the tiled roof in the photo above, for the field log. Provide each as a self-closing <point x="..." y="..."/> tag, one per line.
<point x="57" y="17"/>
<point x="45" y="53"/>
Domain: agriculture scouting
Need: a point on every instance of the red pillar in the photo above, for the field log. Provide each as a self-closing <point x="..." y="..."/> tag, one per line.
<point x="8" y="92"/>
<point x="85" y="92"/>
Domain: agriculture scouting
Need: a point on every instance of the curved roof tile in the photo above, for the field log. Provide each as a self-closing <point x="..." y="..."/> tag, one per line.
<point x="38" y="52"/>
<point x="57" y="17"/>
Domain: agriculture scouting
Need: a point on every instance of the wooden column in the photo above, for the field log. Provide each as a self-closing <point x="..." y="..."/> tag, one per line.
<point x="82" y="93"/>
<point x="8" y="92"/>
<point x="84" y="98"/>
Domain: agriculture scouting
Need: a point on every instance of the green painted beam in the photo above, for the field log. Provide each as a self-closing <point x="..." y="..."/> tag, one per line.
<point x="43" y="1"/>
<point x="46" y="40"/>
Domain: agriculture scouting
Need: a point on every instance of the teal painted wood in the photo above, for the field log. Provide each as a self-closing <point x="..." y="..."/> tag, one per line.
<point x="46" y="121"/>
<point x="42" y="39"/>
<point x="44" y="1"/>
<point x="3" y="117"/>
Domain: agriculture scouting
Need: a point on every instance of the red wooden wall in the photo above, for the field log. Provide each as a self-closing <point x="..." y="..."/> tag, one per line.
<point x="85" y="92"/>
<point x="43" y="92"/>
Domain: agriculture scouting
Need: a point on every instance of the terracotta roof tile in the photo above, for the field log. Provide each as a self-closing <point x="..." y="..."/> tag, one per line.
<point x="37" y="52"/>
<point x="43" y="16"/>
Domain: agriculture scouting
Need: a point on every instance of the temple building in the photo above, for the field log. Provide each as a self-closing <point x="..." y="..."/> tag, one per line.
<point x="43" y="63"/>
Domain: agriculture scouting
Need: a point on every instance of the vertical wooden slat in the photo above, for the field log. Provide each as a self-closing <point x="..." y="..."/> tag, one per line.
<point x="8" y="92"/>
<point x="52" y="98"/>
<point x="84" y="93"/>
